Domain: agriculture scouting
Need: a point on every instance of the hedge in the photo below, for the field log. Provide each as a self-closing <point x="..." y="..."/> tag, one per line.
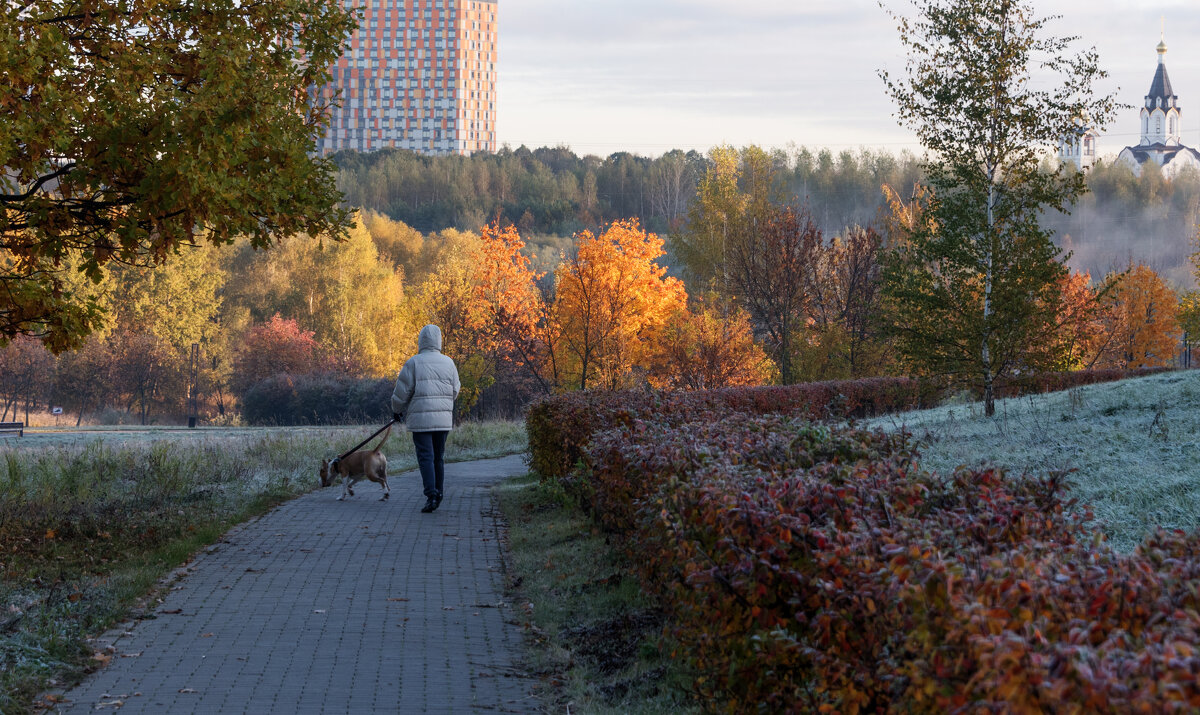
<point x="813" y="568"/>
<point x="561" y="427"/>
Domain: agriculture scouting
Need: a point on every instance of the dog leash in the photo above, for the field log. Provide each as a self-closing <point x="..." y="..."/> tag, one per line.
<point x="354" y="449"/>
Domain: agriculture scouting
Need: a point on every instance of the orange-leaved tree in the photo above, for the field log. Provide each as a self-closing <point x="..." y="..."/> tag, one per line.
<point x="511" y="310"/>
<point x="1140" y="314"/>
<point x="707" y="346"/>
<point x="1080" y="334"/>
<point x="612" y="302"/>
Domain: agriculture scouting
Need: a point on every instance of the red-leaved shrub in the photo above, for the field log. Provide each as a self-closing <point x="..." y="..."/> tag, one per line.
<point x="809" y="567"/>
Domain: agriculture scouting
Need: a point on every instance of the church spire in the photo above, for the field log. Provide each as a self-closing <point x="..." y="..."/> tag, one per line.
<point x="1162" y="43"/>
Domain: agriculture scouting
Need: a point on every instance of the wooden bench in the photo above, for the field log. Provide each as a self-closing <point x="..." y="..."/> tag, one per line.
<point x="18" y="427"/>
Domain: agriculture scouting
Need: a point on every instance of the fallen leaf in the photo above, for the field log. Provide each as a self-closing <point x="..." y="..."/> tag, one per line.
<point x="397" y="599"/>
<point x="171" y="611"/>
<point x="206" y="635"/>
<point x="319" y="610"/>
<point x="447" y="608"/>
<point x="50" y="533"/>
<point x="132" y="655"/>
<point x="109" y="704"/>
<point x="188" y="690"/>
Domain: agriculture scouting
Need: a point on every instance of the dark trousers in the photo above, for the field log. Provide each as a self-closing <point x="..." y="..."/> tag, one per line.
<point x="431" y="448"/>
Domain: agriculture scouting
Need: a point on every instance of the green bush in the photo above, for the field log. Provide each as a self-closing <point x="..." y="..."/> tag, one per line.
<point x="285" y="399"/>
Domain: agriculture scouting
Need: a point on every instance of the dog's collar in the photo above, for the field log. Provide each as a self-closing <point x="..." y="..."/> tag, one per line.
<point x="334" y="462"/>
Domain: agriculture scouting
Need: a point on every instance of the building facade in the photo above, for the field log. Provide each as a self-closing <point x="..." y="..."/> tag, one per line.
<point x="417" y="74"/>
<point x="1161" y="122"/>
<point x="1080" y="148"/>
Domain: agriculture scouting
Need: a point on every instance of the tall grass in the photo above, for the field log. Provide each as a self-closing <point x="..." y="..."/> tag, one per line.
<point x="88" y="529"/>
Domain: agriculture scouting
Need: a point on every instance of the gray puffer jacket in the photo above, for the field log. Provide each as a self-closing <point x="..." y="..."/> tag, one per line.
<point x="427" y="386"/>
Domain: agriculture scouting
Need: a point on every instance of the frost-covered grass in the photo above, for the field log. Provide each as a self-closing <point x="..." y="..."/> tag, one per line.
<point x="89" y="527"/>
<point x="1135" y="446"/>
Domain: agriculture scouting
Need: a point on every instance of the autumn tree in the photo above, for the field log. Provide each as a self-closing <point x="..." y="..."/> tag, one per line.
<point x="26" y="376"/>
<point x="399" y="244"/>
<point x="1140" y="314"/>
<point x="447" y="298"/>
<point x="612" y="300"/>
<point x="279" y="345"/>
<point x="770" y="271"/>
<point x="733" y="199"/>
<point x="147" y="374"/>
<point x="84" y="377"/>
<point x="707" y="345"/>
<point x="131" y="129"/>
<point x="343" y="292"/>
<point x="846" y="285"/>
<point x="159" y="312"/>
<point x="1080" y="335"/>
<point x="513" y="310"/>
<point x="971" y="288"/>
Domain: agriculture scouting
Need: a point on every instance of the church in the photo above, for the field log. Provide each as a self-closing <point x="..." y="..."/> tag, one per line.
<point x="1162" y="121"/>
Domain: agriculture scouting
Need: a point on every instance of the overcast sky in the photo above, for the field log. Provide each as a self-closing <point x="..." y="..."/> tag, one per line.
<point x="646" y="76"/>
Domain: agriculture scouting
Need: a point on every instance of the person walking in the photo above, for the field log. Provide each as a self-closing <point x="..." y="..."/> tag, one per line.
<point x="424" y="399"/>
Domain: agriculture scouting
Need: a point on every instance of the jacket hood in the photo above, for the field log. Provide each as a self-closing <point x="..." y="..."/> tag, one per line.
<point x="429" y="339"/>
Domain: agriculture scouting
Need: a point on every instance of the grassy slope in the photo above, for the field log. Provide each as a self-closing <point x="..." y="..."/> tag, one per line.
<point x="1135" y="445"/>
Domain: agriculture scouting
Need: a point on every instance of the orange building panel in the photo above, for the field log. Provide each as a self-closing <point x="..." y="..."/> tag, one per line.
<point x="417" y="74"/>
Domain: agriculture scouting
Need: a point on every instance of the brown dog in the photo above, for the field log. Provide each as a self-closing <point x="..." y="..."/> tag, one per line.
<point x="355" y="467"/>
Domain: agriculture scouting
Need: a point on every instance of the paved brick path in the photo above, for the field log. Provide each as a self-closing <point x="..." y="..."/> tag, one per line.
<point x="323" y="606"/>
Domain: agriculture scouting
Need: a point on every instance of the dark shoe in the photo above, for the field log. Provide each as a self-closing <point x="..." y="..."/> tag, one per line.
<point x="430" y="505"/>
<point x="437" y="501"/>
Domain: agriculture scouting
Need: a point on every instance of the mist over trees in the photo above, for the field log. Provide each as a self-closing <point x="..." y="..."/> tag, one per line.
<point x="1126" y="219"/>
<point x="551" y="193"/>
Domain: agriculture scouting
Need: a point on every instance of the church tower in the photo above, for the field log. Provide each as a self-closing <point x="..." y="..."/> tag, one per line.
<point x="1162" y="123"/>
<point x="1161" y="116"/>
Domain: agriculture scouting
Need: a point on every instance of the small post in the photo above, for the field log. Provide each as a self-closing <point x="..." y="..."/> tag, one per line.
<point x="192" y="408"/>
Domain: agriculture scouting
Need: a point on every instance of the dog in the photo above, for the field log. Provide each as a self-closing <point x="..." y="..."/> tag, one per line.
<point x="355" y="467"/>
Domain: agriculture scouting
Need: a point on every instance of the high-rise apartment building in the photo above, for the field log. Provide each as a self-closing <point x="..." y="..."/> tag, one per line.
<point x="417" y="74"/>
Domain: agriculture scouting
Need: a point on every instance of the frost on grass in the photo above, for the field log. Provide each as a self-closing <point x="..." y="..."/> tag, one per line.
<point x="1134" y="446"/>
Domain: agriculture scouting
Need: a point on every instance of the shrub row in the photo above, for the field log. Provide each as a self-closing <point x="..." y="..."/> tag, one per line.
<point x="286" y="399"/>
<point x="561" y="427"/>
<point x="812" y="568"/>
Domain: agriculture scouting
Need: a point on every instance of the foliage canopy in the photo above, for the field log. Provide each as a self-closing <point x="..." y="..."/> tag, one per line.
<point x="129" y="128"/>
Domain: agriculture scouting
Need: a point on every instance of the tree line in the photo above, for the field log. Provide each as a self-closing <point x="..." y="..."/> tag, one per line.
<point x="553" y="191"/>
<point x="756" y="293"/>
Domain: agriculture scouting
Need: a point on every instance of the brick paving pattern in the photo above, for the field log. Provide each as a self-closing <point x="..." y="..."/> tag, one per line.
<point x="320" y="606"/>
